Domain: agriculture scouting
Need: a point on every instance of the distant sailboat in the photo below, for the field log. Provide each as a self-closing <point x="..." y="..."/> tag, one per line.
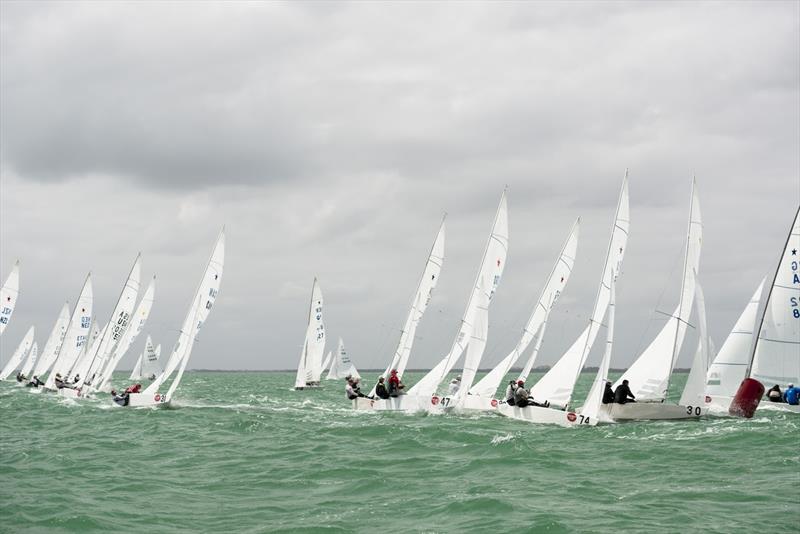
<point x="326" y="364"/>
<point x="8" y="297"/>
<point x="342" y="366"/>
<point x="147" y="365"/>
<point x="18" y="355"/>
<point x="309" y="370"/>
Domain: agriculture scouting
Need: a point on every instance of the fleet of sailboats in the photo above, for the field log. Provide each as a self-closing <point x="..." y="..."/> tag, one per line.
<point x="80" y="357"/>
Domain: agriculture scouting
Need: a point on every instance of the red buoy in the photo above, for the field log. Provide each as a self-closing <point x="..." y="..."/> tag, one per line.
<point x="746" y="400"/>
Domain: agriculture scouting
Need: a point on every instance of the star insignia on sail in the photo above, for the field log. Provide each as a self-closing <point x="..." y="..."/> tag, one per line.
<point x="498" y="263"/>
<point x="562" y="279"/>
<point x="433" y="277"/>
<point x="8" y="299"/>
<point x="620" y="250"/>
<point x="216" y="276"/>
<point x="794" y="252"/>
<point x="83" y="310"/>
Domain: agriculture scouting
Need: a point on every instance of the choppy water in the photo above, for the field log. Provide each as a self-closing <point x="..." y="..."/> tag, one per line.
<point x="243" y="452"/>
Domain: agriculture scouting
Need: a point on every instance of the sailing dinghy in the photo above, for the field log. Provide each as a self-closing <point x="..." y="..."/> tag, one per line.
<point x="198" y="312"/>
<point x="774" y="355"/>
<point x="342" y="366"/>
<point x="422" y="396"/>
<point x="309" y="370"/>
<point x="650" y="374"/>
<point x="8" y="297"/>
<point x="147" y="365"/>
<point x="481" y="395"/>
<point x="557" y="385"/>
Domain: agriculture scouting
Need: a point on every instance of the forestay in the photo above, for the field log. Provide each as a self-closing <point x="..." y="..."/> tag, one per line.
<point x="76" y="337"/>
<point x="8" y="297"/>
<point x="489" y="274"/>
<point x="557" y="384"/>
<point x="776" y="358"/>
<point x="649" y="375"/>
<point x="553" y="288"/>
<point x="53" y="344"/>
<point x="422" y="297"/>
<point x="309" y="370"/>
<point x="16" y="358"/>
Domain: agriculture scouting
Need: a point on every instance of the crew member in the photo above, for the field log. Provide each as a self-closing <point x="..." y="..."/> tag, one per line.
<point x="623" y="394"/>
<point x="380" y="389"/>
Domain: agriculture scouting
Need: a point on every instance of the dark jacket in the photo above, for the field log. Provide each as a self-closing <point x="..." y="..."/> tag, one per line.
<point x="380" y="391"/>
<point x="623" y="394"/>
<point x="608" y="394"/>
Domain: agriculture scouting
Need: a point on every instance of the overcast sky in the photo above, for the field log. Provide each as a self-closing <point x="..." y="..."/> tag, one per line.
<point x="330" y="138"/>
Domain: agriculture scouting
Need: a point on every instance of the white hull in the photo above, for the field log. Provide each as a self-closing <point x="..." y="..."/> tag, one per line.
<point x="544" y="416"/>
<point x="69" y="393"/>
<point x="136" y="400"/>
<point x="472" y="403"/>
<point x="659" y="411"/>
<point x="403" y="403"/>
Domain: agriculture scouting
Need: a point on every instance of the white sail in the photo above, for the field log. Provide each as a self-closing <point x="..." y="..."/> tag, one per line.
<point x="422" y="297"/>
<point x="204" y="301"/>
<point x="136" y="373"/>
<point x="150" y="366"/>
<point x="19" y="354"/>
<point x="731" y="362"/>
<point x="553" y="287"/>
<point x="649" y="375"/>
<point x="76" y="337"/>
<point x="326" y="363"/>
<point x="342" y="366"/>
<point x="103" y="374"/>
<point x="81" y="366"/>
<point x="53" y="344"/>
<point x="33" y="355"/>
<point x="776" y="358"/>
<point x="475" y="348"/>
<point x="557" y="384"/>
<point x="695" y="384"/>
<point x="117" y="323"/>
<point x="309" y="370"/>
<point x="491" y="270"/>
<point x="8" y="297"/>
<point x="594" y="399"/>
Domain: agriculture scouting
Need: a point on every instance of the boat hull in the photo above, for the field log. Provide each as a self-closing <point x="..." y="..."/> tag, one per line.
<point x="544" y="416"/>
<point x="69" y="393"/>
<point x="403" y="403"/>
<point x="652" y="411"/>
<point x="136" y="400"/>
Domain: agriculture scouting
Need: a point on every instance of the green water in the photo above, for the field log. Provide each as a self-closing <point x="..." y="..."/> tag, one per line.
<point x="243" y="452"/>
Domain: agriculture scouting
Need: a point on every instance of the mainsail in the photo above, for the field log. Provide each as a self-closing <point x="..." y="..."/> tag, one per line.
<point x="309" y="369"/>
<point x="8" y="297"/>
<point x="553" y="287"/>
<point x="342" y="366"/>
<point x="53" y="345"/>
<point x="695" y="384"/>
<point x="19" y="354"/>
<point x="776" y="355"/>
<point x="76" y="337"/>
<point x="591" y="408"/>
<point x="491" y="270"/>
<point x="557" y="384"/>
<point x="649" y="375"/>
<point x="33" y="354"/>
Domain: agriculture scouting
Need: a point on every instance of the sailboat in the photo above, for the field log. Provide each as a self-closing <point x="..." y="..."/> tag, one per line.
<point x="105" y="371"/>
<point x="774" y="354"/>
<point x="422" y="297"/>
<point x="30" y="361"/>
<point x="557" y="385"/>
<point x="326" y="364"/>
<point x="76" y="336"/>
<point x="8" y="297"/>
<point x="481" y="394"/>
<point x="147" y="365"/>
<point x="422" y="396"/>
<point x="53" y="345"/>
<point x="342" y="366"/>
<point x="18" y="355"/>
<point x="650" y="374"/>
<point x="198" y="312"/>
<point x="309" y="370"/>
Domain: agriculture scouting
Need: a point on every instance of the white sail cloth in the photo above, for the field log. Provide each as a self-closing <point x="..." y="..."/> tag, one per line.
<point x="553" y="288"/>
<point x="30" y="361"/>
<point x="650" y="373"/>
<point x="53" y="345"/>
<point x="557" y="385"/>
<point x="76" y="337"/>
<point x="309" y="370"/>
<point x="18" y="355"/>
<point x="342" y="366"/>
<point x="489" y="274"/>
<point x="8" y="297"/>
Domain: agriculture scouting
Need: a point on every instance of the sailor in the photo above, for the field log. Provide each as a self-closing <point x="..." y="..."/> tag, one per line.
<point x="512" y="386"/>
<point x="59" y="381"/>
<point x="121" y="399"/>
<point x="608" y="394"/>
<point x="351" y="389"/>
<point x="623" y="394"/>
<point x="136" y="388"/>
<point x="380" y="389"/>
<point x="20" y="376"/>
<point x="792" y="395"/>
<point x="774" y="394"/>
<point x="395" y="385"/>
<point x="521" y="395"/>
<point x="35" y="383"/>
<point x="455" y="385"/>
<point x="76" y="379"/>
